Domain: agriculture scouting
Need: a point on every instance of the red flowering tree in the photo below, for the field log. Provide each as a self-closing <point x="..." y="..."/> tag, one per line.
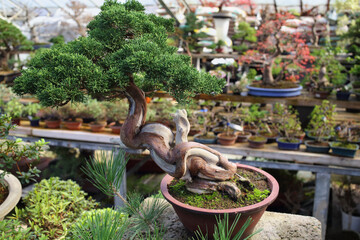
<point x="276" y="40"/>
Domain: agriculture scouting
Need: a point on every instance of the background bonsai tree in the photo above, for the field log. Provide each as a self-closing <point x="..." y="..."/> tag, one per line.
<point x="11" y="40"/>
<point x="322" y="122"/>
<point x="245" y="34"/>
<point x="274" y="39"/>
<point x="288" y="123"/>
<point x="126" y="54"/>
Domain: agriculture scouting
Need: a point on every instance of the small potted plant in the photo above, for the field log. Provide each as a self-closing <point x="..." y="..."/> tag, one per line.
<point x="116" y="112"/>
<point x="239" y="87"/>
<point x="242" y="136"/>
<point x="228" y="137"/>
<point x="70" y="115"/>
<point x="321" y="127"/>
<point x="32" y="110"/>
<point x="95" y="112"/>
<point x="288" y="122"/>
<point x="15" y="109"/>
<point x="206" y="121"/>
<point x="345" y="147"/>
<point x="51" y="116"/>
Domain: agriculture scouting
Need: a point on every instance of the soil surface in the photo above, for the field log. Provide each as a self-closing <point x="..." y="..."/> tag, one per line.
<point x="319" y="144"/>
<point x="3" y="194"/>
<point x="218" y="200"/>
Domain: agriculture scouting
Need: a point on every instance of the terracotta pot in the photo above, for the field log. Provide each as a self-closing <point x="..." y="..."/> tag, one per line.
<point x="194" y="218"/>
<point x="15" y="190"/>
<point x="97" y="127"/>
<point x="73" y="125"/>
<point x="16" y="121"/>
<point x="52" y="123"/>
<point x="256" y="144"/>
<point x="243" y="137"/>
<point x="115" y="129"/>
<point x="227" y="140"/>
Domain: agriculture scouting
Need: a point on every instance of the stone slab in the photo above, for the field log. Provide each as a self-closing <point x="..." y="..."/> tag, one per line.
<point x="275" y="226"/>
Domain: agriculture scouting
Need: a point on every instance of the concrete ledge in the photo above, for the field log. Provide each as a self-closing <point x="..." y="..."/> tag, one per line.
<point x="274" y="226"/>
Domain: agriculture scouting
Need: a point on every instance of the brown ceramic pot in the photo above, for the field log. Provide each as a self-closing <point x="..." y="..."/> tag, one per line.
<point x="243" y="136"/>
<point x="321" y="94"/>
<point x="73" y="125"/>
<point x="257" y="143"/>
<point x="97" y="127"/>
<point x="115" y="129"/>
<point x="52" y="123"/>
<point x="226" y="140"/>
<point x="194" y="218"/>
<point x="16" y="121"/>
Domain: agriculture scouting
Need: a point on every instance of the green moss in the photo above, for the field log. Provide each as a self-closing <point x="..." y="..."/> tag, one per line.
<point x="344" y="145"/>
<point x="218" y="200"/>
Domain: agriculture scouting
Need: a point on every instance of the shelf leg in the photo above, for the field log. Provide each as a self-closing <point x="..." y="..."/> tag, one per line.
<point x="321" y="201"/>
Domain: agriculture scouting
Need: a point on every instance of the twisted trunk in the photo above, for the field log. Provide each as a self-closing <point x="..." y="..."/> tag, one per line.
<point x="186" y="160"/>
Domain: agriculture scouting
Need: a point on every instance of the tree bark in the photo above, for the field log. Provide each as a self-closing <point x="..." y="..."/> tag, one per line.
<point x="186" y="160"/>
<point x="268" y="78"/>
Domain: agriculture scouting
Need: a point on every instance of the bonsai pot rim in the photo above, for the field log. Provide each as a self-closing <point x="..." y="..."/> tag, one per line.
<point x="226" y="140"/>
<point x="243" y="137"/>
<point x="15" y="191"/>
<point x="288" y="145"/>
<point x="315" y="148"/>
<point x="258" y="208"/>
<point x="345" y="152"/>
<point x="274" y="92"/>
<point x="203" y="140"/>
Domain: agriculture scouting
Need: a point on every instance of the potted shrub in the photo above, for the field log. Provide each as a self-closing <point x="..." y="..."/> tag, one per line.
<point x="287" y="123"/>
<point x="51" y="116"/>
<point x="31" y="111"/>
<point x="239" y="87"/>
<point x="244" y="36"/>
<point x="228" y="137"/>
<point x="95" y="112"/>
<point x="13" y="154"/>
<point x="321" y="127"/>
<point x="126" y="53"/>
<point x="116" y="112"/>
<point x="345" y="147"/>
<point x="70" y="115"/>
<point x="205" y="122"/>
<point x="15" y="109"/>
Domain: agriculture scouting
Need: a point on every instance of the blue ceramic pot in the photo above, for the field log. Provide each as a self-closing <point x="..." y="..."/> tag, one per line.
<point x="274" y="92"/>
<point x="341" y="151"/>
<point x="197" y="138"/>
<point x="288" y="146"/>
<point x="340" y="95"/>
<point x="34" y="122"/>
<point x="316" y="148"/>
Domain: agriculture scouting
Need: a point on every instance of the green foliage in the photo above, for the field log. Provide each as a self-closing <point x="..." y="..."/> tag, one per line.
<point x="124" y="44"/>
<point x="14" y="108"/>
<point x="13" y="151"/>
<point x="189" y="32"/>
<point x="222" y="231"/>
<point x="322" y="120"/>
<point x="92" y="109"/>
<point x="116" y="110"/>
<point x="53" y="206"/>
<point x="287" y="121"/>
<point x="244" y="33"/>
<point x="10" y="38"/>
<point x="106" y="173"/>
<point x="32" y="109"/>
<point x="57" y="40"/>
<point x="100" y="224"/>
<point x="12" y="229"/>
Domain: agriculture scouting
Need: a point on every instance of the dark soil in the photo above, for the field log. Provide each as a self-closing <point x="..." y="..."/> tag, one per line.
<point x="3" y="194"/>
<point x="319" y="144"/>
<point x="218" y="200"/>
<point x="281" y="85"/>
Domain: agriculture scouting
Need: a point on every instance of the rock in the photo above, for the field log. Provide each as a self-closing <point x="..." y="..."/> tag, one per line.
<point x="275" y="226"/>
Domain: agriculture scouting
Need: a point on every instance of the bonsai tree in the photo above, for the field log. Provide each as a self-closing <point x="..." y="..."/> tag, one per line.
<point x="245" y="33"/>
<point x="11" y="40"/>
<point x="126" y="54"/>
<point x="274" y="41"/>
<point x="288" y="123"/>
<point x="322" y="122"/>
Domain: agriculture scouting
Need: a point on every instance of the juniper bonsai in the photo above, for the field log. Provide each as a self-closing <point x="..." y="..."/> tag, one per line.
<point x="126" y="53"/>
